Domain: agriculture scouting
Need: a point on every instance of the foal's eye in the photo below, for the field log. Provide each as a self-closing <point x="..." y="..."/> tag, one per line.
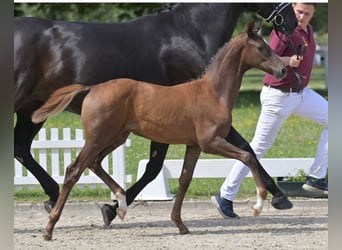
<point x="260" y="48"/>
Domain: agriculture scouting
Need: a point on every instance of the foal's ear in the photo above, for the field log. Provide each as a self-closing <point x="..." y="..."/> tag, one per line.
<point x="250" y="28"/>
<point x="253" y="28"/>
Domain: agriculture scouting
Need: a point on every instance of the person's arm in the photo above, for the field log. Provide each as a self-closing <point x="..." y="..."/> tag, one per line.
<point x="291" y="61"/>
<point x="278" y="45"/>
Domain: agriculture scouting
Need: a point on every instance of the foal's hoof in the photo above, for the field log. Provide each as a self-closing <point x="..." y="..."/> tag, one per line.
<point x="108" y="213"/>
<point x="48" y="205"/>
<point x="281" y="202"/>
<point x="184" y="231"/>
<point x="47" y="237"/>
<point x="255" y="212"/>
<point x="121" y="213"/>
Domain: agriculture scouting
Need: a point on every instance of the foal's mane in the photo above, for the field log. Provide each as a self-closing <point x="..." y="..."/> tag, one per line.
<point x="227" y="52"/>
<point x="230" y="48"/>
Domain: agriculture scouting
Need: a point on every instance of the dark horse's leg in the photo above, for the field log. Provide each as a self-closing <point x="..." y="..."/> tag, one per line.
<point x="157" y="155"/>
<point x="279" y="199"/>
<point x="24" y="133"/>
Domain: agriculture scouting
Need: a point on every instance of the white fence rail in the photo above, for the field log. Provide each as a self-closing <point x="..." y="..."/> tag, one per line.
<point x="158" y="189"/>
<point x="55" y="152"/>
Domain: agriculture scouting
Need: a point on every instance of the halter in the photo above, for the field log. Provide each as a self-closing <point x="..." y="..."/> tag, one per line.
<point x="276" y="16"/>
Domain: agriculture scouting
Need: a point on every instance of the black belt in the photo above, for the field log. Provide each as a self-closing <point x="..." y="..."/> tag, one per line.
<point x="285" y="89"/>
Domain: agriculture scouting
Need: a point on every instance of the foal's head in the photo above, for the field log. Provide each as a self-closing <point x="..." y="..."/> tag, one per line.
<point x="258" y="54"/>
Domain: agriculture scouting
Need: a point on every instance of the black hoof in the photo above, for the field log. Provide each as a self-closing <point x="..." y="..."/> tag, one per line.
<point x="48" y="205"/>
<point x="109" y="213"/>
<point x="281" y="203"/>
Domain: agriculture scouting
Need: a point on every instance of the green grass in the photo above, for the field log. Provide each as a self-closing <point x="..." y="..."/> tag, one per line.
<point x="80" y="194"/>
<point x="297" y="138"/>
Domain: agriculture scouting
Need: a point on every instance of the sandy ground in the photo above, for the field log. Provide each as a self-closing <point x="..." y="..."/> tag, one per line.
<point x="148" y="226"/>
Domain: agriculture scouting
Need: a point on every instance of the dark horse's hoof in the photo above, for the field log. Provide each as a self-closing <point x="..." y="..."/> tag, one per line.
<point x="281" y="202"/>
<point x="109" y="213"/>
<point x="48" y="205"/>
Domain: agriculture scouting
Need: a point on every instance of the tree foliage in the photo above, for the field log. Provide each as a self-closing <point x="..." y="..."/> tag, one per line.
<point x="94" y="12"/>
<point x="320" y="20"/>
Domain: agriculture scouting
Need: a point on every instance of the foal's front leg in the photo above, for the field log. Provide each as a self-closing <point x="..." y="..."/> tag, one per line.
<point x="220" y="146"/>
<point x="190" y="160"/>
<point x="279" y="199"/>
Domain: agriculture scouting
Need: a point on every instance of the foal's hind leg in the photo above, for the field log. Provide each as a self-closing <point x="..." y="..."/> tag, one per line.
<point x="190" y="160"/>
<point x="72" y="175"/>
<point x="87" y="157"/>
<point x="279" y="199"/>
<point x="116" y="189"/>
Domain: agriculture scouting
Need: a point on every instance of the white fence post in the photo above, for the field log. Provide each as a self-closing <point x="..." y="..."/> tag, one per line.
<point x="54" y="154"/>
<point x="67" y="151"/>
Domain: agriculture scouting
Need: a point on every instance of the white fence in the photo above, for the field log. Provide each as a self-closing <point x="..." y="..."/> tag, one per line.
<point x="55" y="152"/>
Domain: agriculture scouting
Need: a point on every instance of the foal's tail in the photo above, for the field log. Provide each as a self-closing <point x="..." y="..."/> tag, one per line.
<point x="58" y="101"/>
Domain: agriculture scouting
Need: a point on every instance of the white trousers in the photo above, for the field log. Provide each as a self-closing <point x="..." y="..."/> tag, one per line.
<point x="276" y="107"/>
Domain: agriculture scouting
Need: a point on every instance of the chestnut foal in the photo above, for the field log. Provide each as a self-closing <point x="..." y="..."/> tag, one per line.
<point x="197" y="114"/>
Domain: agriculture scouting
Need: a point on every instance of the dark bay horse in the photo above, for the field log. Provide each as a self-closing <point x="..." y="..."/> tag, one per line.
<point x="197" y="114"/>
<point x="166" y="48"/>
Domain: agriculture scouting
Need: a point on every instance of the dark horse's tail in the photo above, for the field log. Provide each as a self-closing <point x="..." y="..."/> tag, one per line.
<point x="58" y="101"/>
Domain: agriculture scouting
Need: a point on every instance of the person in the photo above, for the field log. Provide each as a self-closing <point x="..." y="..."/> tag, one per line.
<point x="280" y="99"/>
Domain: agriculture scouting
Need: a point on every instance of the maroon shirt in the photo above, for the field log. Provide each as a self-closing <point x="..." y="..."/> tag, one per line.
<point x="299" y="37"/>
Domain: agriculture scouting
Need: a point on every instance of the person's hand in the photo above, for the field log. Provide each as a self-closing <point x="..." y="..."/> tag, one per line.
<point x="295" y="61"/>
